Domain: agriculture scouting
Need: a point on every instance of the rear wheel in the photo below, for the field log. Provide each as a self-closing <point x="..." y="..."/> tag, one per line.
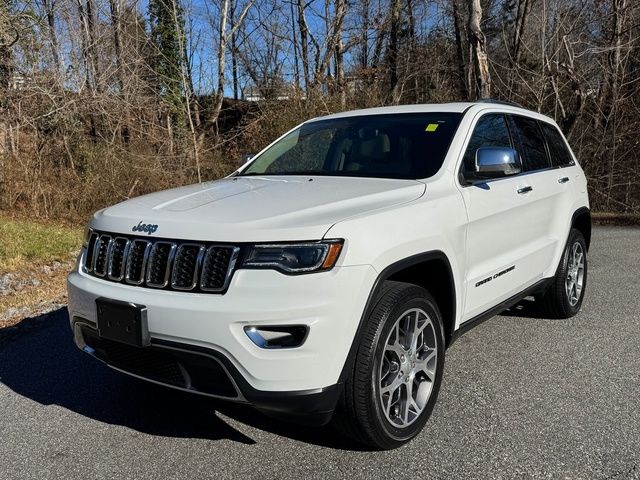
<point x="393" y="386"/>
<point x="563" y="298"/>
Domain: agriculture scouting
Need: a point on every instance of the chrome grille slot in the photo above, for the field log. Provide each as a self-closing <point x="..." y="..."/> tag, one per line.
<point x="101" y="254"/>
<point x="88" y="258"/>
<point x="117" y="256"/>
<point x="137" y="261"/>
<point x="159" y="264"/>
<point x="185" y="266"/>
<point x="217" y="266"/>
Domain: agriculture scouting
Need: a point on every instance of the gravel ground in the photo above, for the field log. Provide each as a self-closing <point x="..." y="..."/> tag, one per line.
<point x="522" y="397"/>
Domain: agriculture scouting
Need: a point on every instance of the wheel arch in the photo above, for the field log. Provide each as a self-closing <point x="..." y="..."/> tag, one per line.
<point x="581" y="220"/>
<point x="430" y="270"/>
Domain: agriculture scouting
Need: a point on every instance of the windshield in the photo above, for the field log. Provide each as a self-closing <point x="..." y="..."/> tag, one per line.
<point x="411" y="146"/>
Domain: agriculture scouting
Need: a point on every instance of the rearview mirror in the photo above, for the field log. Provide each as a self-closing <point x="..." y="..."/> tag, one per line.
<point x="495" y="162"/>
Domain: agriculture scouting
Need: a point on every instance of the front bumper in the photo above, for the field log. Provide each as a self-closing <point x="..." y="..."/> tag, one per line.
<point x="207" y="372"/>
<point x="329" y="303"/>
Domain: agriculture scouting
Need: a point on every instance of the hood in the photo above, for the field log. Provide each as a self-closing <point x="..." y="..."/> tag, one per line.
<point x="251" y="209"/>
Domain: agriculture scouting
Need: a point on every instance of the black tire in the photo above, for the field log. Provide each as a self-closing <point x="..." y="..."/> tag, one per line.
<point x="359" y="414"/>
<point x="555" y="302"/>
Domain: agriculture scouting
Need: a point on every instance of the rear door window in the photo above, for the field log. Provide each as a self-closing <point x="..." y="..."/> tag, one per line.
<point x="560" y="154"/>
<point x="529" y="142"/>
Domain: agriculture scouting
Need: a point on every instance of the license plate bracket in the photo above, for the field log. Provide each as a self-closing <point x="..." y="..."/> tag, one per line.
<point x="123" y="322"/>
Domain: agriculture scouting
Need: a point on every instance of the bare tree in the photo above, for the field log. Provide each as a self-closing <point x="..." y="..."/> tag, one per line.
<point x="522" y="13"/>
<point x="392" y="50"/>
<point x="115" y="7"/>
<point x="479" y="57"/>
<point x="304" y="42"/>
<point x="49" y="11"/>
<point x="87" y="13"/>
<point x="225" y="32"/>
<point x="463" y="88"/>
<point x="234" y="49"/>
<point x="609" y="89"/>
<point x="7" y="40"/>
<point x="333" y="39"/>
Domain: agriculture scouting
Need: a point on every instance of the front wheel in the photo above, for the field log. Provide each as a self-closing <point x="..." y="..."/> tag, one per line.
<point x="394" y="384"/>
<point x="563" y="298"/>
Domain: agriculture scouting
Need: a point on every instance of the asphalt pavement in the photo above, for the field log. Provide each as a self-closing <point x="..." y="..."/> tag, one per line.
<point x="522" y="397"/>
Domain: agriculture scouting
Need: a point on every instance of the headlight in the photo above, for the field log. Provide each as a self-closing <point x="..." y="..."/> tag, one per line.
<point x="295" y="257"/>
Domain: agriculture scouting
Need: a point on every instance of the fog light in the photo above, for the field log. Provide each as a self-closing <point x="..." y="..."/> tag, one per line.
<point x="290" y="336"/>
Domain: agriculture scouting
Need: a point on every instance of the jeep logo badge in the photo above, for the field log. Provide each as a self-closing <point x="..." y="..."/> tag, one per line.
<point x="145" y="227"/>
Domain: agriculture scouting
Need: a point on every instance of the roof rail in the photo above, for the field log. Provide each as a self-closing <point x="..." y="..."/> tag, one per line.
<point x="499" y="102"/>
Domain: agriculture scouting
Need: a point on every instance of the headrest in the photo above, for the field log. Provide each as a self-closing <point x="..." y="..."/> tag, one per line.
<point x="375" y="148"/>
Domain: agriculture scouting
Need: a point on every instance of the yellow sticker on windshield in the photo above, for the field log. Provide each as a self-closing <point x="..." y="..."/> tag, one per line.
<point x="432" y="127"/>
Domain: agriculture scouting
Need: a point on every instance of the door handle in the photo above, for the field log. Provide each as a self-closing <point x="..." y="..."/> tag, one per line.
<point x="526" y="189"/>
<point x="563" y="179"/>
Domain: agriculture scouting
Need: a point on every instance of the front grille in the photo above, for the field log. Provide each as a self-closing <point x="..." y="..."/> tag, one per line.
<point x="161" y="264"/>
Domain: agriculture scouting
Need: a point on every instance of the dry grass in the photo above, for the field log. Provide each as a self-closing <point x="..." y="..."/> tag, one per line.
<point x="34" y="260"/>
<point x="26" y="243"/>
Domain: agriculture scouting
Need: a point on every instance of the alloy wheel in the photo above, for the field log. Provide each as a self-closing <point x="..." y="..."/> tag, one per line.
<point x="575" y="274"/>
<point x="408" y="368"/>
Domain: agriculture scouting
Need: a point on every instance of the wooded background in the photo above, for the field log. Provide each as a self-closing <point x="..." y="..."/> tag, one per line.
<point x="102" y="100"/>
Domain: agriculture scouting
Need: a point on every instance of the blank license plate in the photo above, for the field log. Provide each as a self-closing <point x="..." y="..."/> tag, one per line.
<point x="122" y="322"/>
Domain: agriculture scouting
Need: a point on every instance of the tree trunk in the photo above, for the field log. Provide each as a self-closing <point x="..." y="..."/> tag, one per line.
<point x="84" y="42"/>
<point x="609" y="103"/>
<point x="462" y="77"/>
<point x="221" y="60"/>
<point x="93" y="42"/>
<point x="340" y="73"/>
<point x="224" y="35"/>
<point x="7" y="40"/>
<point x="522" y="14"/>
<point x="522" y="11"/>
<point x="392" y="52"/>
<point x="364" y="36"/>
<point x="608" y="94"/>
<point x="333" y="39"/>
<point x="49" y="8"/>
<point x="296" y="60"/>
<point x="569" y="122"/>
<point x="87" y="12"/>
<point x="234" y="50"/>
<point x="479" y="55"/>
<point x="304" y="43"/>
<point x="187" y="88"/>
<point x="115" y="7"/>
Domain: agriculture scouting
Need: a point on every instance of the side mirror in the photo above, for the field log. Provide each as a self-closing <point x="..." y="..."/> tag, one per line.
<point x="496" y="162"/>
<point x="245" y="157"/>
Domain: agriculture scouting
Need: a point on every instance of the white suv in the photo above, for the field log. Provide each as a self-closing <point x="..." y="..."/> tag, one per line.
<point x="330" y="273"/>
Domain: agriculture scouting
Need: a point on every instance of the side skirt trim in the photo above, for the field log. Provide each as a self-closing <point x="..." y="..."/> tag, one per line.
<point x="537" y="287"/>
